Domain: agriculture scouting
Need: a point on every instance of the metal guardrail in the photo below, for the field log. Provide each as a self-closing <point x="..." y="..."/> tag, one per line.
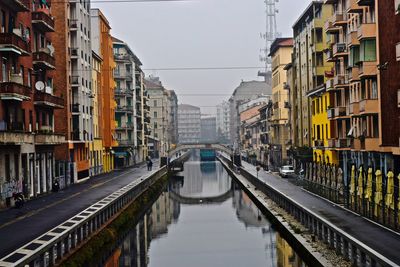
<point x="344" y="244"/>
<point x="51" y="247"/>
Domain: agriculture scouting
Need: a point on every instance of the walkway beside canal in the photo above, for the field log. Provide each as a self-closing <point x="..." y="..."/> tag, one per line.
<point x="382" y="240"/>
<point x="19" y="226"/>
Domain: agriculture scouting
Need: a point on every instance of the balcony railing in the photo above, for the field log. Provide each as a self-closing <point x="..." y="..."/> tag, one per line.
<point x="343" y="143"/>
<point x="331" y="113"/>
<point x="14" y="42"/>
<point x="369" y="106"/>
<point x="341" y="80"/>
<point x="43" y="20"/>
<point x="13" y="90"/>
<point x="366" y="30"/>
<point x="318" y="143"/>
<point x="44" y="60"/>
<point x="17" y="5"/>
<point x="340" y="111"/>
<point x="121" y="57"/>
<point x="339" y="48"/>
<point x="73" y="24"/>
<point x="48" y="100"/>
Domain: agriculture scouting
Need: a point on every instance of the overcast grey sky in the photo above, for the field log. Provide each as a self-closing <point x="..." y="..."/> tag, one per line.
<point x="198" y="33"/>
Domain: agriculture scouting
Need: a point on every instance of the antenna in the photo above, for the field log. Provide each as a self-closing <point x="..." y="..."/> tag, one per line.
<point x="271" y="33"/>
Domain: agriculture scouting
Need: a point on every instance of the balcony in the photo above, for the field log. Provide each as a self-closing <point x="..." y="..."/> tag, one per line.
<point x="124" y="109"/>
<point x="74" y="51"/>
<point x="48" y="100"/>
<point x="332" y="143"/>
<point x="343" y="143"/>
<point x="330" y="27"/>
<point x="44" y="60"/>
<point x="354" y="109"/>
<point x="75" y="108"/>
<point x="339" y="49"/>
<point x="365" y="2"/>
<point x="366" y="30"/>
<point x="319" y="143"/>
<point x="13" y="43"/>
<point x="73" y="24"/>
<point x="339" y="19"/>
<point x="125" y="142"/>
<point x="369" y="106"/>
<point x="367" y="69"/>
<point x="331" y="113"/>
<point x="13" y="134"/>
<point x="16" y="5"/>
<point x="353" y="7"/>
<point x="340" y="111"/>
<point x="49" y="138"/>
<point x="43" y="20"/>
<point x="340" y="80"/>
<point x="372" y="144"/>
<point x="329" y="85"/>
<point x="120" y="57"/>
<point x="14" y="90"/>
<point x="353" y="74"/>
<point x="329" y="55"/>
<point x="75" y="81"/>
<point x="352" y="39"/>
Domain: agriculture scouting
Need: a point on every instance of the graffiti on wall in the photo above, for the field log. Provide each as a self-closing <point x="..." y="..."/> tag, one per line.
<point x="9" y="188"/>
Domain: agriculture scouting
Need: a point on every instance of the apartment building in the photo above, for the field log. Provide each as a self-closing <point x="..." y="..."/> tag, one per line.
<point x="142" y="112"/>
<point x="103" y="45"/>
<point x="311" y="39"/>
<point x="74" y="75"/>
<point x="28" y="100"/>
<point x="355" y="102"/>
<point x="389" y="61"/>
<point x="281" y="53"/>
<point x="126" y="154"/>
<point x="159" y="112"/>
<point x="223" y="122"/>
<point x="173" y="117"/>
<point x="247" y="90"/>
<point x="189" y="124"/>
<point x="97" y="148"/>
<point x="250" y="136"/>
<point x="208" y="129"/>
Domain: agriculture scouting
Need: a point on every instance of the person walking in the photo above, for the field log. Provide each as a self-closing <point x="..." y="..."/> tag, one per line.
<point x="149" y="163"/>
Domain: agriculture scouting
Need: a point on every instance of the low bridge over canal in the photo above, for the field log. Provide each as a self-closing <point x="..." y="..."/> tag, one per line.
<point x="215" y="146"/>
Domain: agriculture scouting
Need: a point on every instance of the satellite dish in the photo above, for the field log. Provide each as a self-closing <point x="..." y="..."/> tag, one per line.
<point x="40" y="86"/>
<point x="51" y="49"/>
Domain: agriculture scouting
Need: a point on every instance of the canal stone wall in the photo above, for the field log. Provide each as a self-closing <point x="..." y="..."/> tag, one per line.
<point x="54" y="246"/>
<point x="342" y="243"/>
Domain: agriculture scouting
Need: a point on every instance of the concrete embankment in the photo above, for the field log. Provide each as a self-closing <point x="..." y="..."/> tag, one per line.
<point x="319" y="240"/>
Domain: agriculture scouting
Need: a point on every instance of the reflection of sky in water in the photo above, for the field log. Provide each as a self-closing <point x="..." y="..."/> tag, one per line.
<point x="232" y="233"/>
<point x="204" y="179"/>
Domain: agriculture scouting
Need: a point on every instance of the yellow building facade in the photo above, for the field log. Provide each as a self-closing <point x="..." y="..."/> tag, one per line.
<point x="97" y="148"/>
<point x="103" y="45"/>
<point x="311" y="44"/>
<point x="281" y="54"/>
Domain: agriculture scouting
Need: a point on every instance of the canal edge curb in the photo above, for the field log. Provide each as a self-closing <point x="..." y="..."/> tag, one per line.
<point x="298" y="242"/>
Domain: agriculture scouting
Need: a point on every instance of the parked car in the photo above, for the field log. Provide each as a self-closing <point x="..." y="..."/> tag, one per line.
<point x="286" y="171"/>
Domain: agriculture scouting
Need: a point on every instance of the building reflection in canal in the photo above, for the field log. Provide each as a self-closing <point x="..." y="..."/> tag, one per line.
<point x="228" y="233"/>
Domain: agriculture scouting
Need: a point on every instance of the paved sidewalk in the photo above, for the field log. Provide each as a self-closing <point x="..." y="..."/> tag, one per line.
<point x="380" y="239"/>
<point x="19" y="226"/>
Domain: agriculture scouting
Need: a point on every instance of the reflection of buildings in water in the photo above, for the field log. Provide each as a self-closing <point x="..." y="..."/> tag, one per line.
<point x="204" y="177"/>
<point x="208" y="167"/>
<point x="246" y="211"/>
<point x="113" y="260"/>
<point x="161" y="215"/>
<point x="286" y="256"/>
<point x="134" y="248"/>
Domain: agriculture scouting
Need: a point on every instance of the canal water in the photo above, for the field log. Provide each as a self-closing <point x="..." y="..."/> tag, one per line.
<point x="183" y="229"/>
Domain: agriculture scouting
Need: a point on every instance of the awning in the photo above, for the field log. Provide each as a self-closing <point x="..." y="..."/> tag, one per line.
<point x="120" y="154"/>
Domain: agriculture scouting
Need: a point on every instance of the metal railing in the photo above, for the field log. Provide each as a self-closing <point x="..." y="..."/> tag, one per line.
<point x="50" y="248"/>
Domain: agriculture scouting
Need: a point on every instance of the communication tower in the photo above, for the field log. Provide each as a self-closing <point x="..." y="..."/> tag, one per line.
<point x="271" y="33"/>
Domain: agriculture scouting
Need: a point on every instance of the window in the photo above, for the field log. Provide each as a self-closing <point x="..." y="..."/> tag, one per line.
<point x="354" y="56"/>
<point x="155" y="103"/>
<point x="374" y="94"/>
<point x="155" y="114"/>
<point x="368" y="50"/>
